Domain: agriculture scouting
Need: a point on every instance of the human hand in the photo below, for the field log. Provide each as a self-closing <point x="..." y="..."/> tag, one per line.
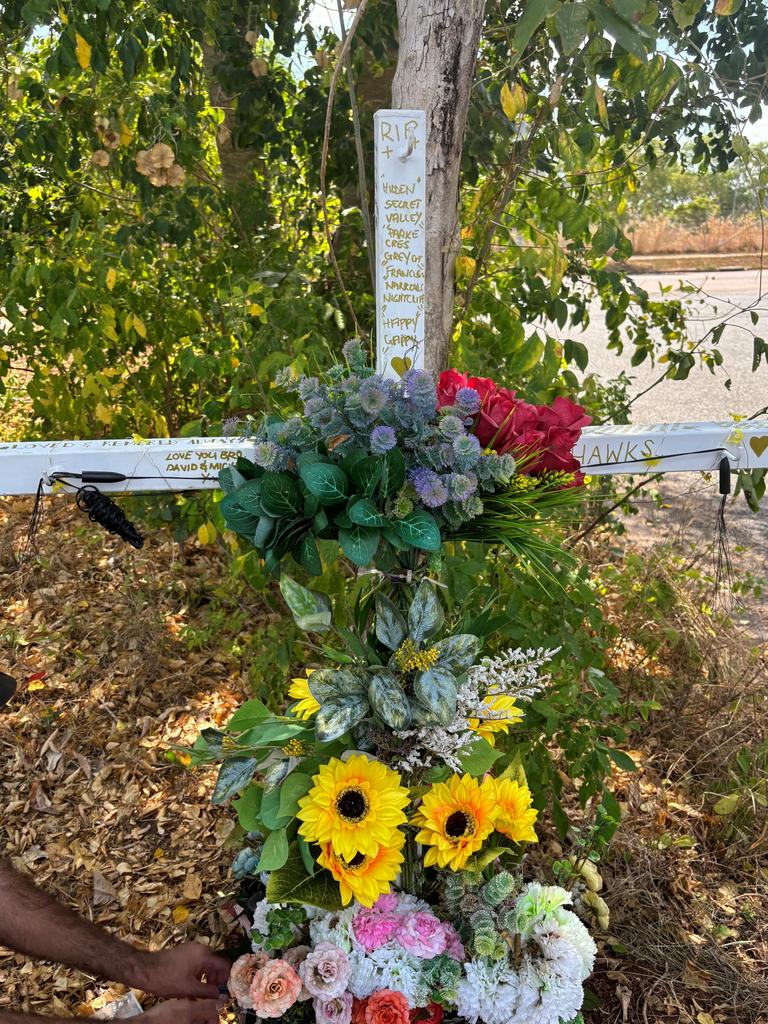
<point x="183" y="1011"/>
<point x="177" y="972"/>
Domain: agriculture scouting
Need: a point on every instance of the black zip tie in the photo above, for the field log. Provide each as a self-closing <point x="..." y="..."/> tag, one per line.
<point x="102" y="510"/>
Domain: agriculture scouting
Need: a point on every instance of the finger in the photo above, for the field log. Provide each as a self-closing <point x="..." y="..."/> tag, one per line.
<point x="216" y="968"/>
<point x="205" y="1012"/>
<point x="203" y="990"/>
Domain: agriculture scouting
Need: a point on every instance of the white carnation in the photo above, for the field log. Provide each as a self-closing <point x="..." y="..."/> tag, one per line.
<point x="335" y="927"/>
<point x="400" y="971"/>
<point x="572" y="930"/>
<point x="488" y="992"/>
<point x="550" y="982"/>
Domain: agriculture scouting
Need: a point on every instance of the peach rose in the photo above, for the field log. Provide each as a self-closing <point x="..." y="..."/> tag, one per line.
<point x="274" y="989"/>
<point x="387" y="1007"/>
<point x="241" y="977"/>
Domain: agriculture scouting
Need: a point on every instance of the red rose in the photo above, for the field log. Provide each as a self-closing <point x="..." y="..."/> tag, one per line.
<point x="506" y="423"/>
<point x="482" y="385"/>
<point x="431" y="1014"/>
<point x="448" y="383"/>
<point x="561" y="424"/>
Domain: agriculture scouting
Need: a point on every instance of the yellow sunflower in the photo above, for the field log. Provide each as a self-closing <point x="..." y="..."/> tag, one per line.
<point x="299" y="690"/>
<point x="354" y="805"/>
<point x="455" y="818"/>
<point x="501" y="712"/>
<point x="365" y="877"/>
<point x="516" y="815"/>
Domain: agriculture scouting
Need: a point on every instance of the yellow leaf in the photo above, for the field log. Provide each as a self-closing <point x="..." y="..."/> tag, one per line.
<point x="465" y="267"/>
<point x="207" y="533"/>
<point x="103" y="414"/>
<point x="705" y="1018"/>
<point x="180" y="914"/>
<point x="82" y="51"/>
<point x="255" y="309"/>
<point x="727" y="7"/>
<point x="138" y="439"/>
<point x="125" y="135"/>
<point x="514" y="100"/>
<point x="63" y="17"/>
<point x="159" y="854"/>
<point x="38" y="684"/>
<point x="138" y="326"/>
<point x="111" y="278"/>
<point x="602" y="110"/>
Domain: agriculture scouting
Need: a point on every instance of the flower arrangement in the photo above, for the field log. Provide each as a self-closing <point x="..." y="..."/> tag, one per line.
<point x="384" y="817"/>
<point x="391" y="467"/>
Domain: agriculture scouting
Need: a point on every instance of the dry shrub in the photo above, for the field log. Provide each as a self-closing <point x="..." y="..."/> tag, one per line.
<point x="658" y="235"/>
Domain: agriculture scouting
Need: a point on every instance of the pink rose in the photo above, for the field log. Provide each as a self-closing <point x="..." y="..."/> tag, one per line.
<point x="373" y="929"/>
<point x="422" y="934"/>
<point x="386" y="903"/>
<point x="453" y="944"/>
<point x="241" y="977"/>
<point x="326" y="970"/>
<point x="275" y="988"/>
<point x="448" y="384"/>
<point x="334" y="1011"/>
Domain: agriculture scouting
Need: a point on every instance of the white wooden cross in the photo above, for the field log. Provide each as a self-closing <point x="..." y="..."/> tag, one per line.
<point x="189" y="464"/>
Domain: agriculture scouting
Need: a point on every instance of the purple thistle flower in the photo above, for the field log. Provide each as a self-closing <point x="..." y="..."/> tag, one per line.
<point x="468" y="400"/>
<point x="429" y="487"/>
<point x="383" y="439"/>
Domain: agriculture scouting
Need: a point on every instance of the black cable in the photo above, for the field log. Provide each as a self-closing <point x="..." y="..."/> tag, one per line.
<point x="651" y="458"/>
<point x="102" y="510"/>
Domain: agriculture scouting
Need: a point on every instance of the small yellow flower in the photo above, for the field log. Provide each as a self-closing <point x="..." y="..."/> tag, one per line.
<point x="294" y="748"/>
<point x="299" y="690"/>
<point x="516" y="815"/>
<point x="409" y="659"/>
<point x="455" y="818"/>
<point x="499" y="713"/>
<point x="365" y="877"/>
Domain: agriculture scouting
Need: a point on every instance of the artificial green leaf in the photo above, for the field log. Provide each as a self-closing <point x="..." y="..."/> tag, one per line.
<point x="435" y="690"/>
<point x="487" y="856"/>
<point x="391" y="629"/>
<point x="327" y="482"/>
<point x="419" y="529"/>
<point x="292" y="790"/>
<point x="359" y="544"/>
<point x="264" y="531"/>
<point x="230" y="480"/>
<point x="311" y="609"/>
<point x="309" y="458"/>
<point x="247" y="808"/>
<point x="365" y="513"/>
<point x="326" y="684"/>
<point x="248" y="715"/>
<point x="249" y="497"/>
<point x="274" y="775"/>
<point x="425" y="615"/>
<point x="308" y="555"/>
<point x="269" y="812"/>
<point x="457" y="653"/>
<point x="274" y="852"/>
<point x="479" y="758"/>
<point x="293" y="884"/>
<point x="236" y="517"/>
<point x="366" y="474"/>
<point x="306" y="855"/>
<point x="338" y="716"/>
<point x="234" y="775"/>
<point x="388" y="700"/>
<point x="393" y="475"/>
<point x="280" y="495"/>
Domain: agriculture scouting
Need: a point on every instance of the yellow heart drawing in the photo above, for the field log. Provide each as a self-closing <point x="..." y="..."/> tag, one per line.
<point x="401" y="364"/>
<point x="757" y="444"/>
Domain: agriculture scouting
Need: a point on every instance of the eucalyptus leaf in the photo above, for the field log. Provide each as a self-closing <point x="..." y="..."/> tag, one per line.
<point x="388" y="700"/>
<point x="391" y="629"/>
<point x="425" y="615"/>
<point x="292" y="790"/>
<point x="339" y="716"/>
<point x="248" y="715"/>
<point x="311" y="609"/>
<point x="435" y="690"/>
<point x="274" y="852"/>
<point x="247" y="808"/>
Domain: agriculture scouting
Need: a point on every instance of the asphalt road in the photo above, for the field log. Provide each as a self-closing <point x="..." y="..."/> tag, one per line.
<point x="703" y="396"/>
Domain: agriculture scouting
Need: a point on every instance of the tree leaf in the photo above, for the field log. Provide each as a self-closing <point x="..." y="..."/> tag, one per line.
<point x="327" y="482"/>
<point x="293" y="884"/>
<point x="391" y="629"/>
<point x="425" y="615"/>
<point x="274" y="852"/>
<point x="725" y="8"/>
<point x="365" y="513"/>
<point x="388" y="700"/>
<point x="359" y="544"/>
<point x="435" y="690"/>
<point x="727" y="804"/>
<point x="625" y="34"/>
<point x="280" y="495"/>
<point x="338" y="716"/>
<point x="457" y="653"/>
<point x="622" y="760"/>
<point x="82" y="51"/>
<point x="571" y="21"/>
<point x="514" y="100"/>
<point x="420" y="530"/>
<point x="532" y="16"/>
<point x="311" y="609"/>
<point x="234" y="775"/>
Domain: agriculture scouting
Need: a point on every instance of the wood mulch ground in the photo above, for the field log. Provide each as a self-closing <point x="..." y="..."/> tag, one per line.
<point x="118" y="664"/>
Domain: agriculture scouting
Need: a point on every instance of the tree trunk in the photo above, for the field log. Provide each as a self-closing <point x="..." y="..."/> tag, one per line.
<point x="439" y="40"/>
<point x="236" y="163"/>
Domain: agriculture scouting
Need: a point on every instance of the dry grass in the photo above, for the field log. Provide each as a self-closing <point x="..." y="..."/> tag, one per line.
<point x="659" y="235"/>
